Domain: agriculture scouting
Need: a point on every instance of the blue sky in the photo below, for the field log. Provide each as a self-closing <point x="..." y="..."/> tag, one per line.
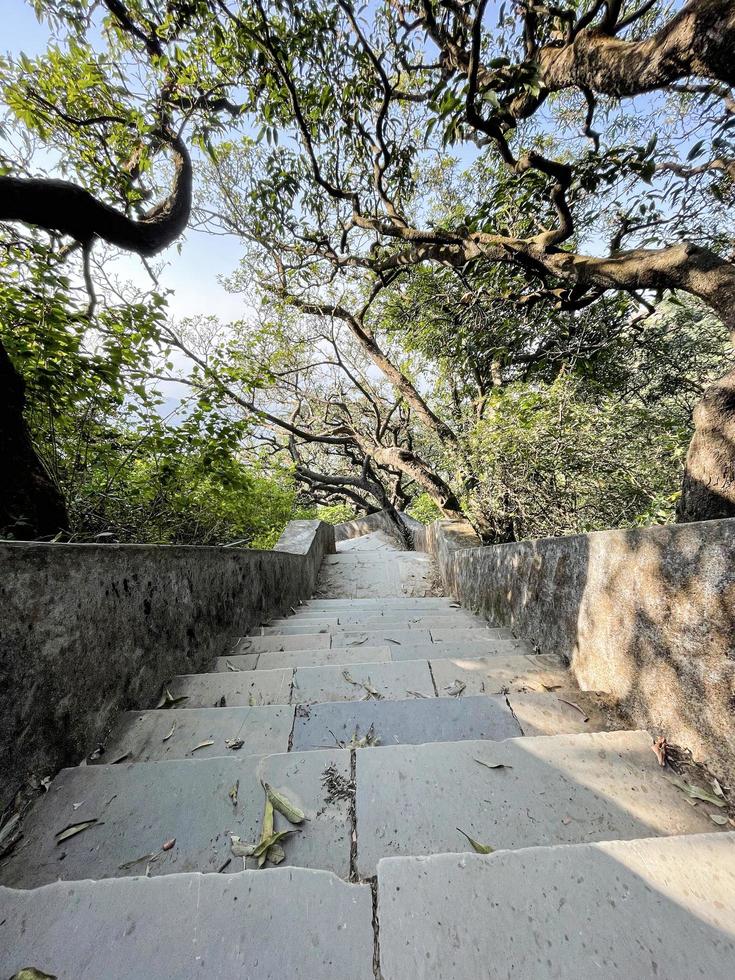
<point x="192" y="275"/>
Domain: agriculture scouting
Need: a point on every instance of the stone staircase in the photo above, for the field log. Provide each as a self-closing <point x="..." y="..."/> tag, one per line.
<point x="411" y="735"/>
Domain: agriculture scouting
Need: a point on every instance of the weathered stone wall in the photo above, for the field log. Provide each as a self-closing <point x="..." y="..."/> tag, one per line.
<point x="90" y="630"/>
<point x="647" y="615"/>
<point x="379" y="521"/>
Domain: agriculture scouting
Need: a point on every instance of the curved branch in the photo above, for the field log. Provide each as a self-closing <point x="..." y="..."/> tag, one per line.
<point x="61" y="206"/>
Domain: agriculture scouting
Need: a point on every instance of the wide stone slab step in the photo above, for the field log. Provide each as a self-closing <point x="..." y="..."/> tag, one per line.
<point x="153" y="736"/>
<point x="251" y="924"/>
<point x="232" y="688"/>
<point x="295" y="624"/>
<point x="414" y="720"/>
<point x="274" y="644"/>
<point x="339" y="655"/>
<point x="392" y="681"/>
<point x="566" y="789"/>
<point x="139" y="807"/>
<point x="500" y="672"/>
<point x="380" y="604"/>
<point x="617" y="910"/>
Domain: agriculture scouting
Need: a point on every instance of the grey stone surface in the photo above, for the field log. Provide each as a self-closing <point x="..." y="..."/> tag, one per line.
<point x="241" y="661"/>
<point x="553" y="713"/>
<point x="246" y="687"/>
<point x="647" y="614"/>
<point x="466" y="650"/>
<point x="394" y="636"/>
<point x="367" y="526"/>
<point x="364" y="575"/>
<point x="497" y="673"/>
<point x="618" y="911"/>
<point x="183" y="926"/>
<point x="414" y="720"/>
<point x="391" y="680"/>
<point x="140" y="735"/>
<point x="384" y="603"/>
<point x="272" y="644"/>
<point x="451" y="619"/>
<point x="140" y="806"/>
<point x="567" y="789"/>
<point x="310" y="658"/>
<point x="374" y="541"/>
<point x="319" y="658"/>
<point x="90" y="630"/>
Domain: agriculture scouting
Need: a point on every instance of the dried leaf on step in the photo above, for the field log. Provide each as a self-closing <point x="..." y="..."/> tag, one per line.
<point x="31" y="973"/>
<point x="120" y="758"/>
<point x="660" y="748"/>
<point x="371" y="691"/>
<point x="231" y="666"/>
<point x="202" y="745"/>
<point x="265" y="845"/>
<point x="369" y="739"/>
<point x="716" y="787"/>
<point x="280" y="802"/>
<point x="494" y="765"/>
<point x="266" y="831"/>
<point x="241" y="850"/>
<point x="148" y="858"/>
<point x="455" y="690"/>
<point x="168" y="845"/>
<point x="346" y="675"/>
<point x="719" y="818"/>
<point x="417" y="694"/>
<point x="169" y="701"/>
<point x="74" y="828"/>
<point x="476" y="845"/>
<point x="357" y="643"/>
<point x="167" y="737"/>
<point x="233" y="793"/>
<point x="551" y="687"/>
<point x="234" y="743"/>
<point x="573" y="704"/>
<point x="695" y="792"/>
<point x="276" y="854"/>
<point x="389" y="639"/>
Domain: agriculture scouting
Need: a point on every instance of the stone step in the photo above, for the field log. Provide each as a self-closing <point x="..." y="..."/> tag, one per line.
<point x="236" y="688"/>
<point x="295" y="624"/>
<point x="455" y="642"/>
<point x="492" y="674"/>
<point x="565" y="789"/>
<point x="318" y="658"/>
<point x="274" y="644"/>
<point x="392" y="681"/>
<point x="140" y="806"/>
<point x="621" y="909"/>
<point x="409" y="721"/>
<point x="381" y="603"/>
<point x="466" y="649"/>
<point x="153" y="736"/>
<point x="230" y="926"/>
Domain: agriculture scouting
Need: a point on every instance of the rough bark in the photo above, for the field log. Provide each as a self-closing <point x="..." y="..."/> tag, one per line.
<point x="31" y="505"/>
<point x="698" y="41"/>
<point x="708" y="486"/>
<point x="61" y="206"/>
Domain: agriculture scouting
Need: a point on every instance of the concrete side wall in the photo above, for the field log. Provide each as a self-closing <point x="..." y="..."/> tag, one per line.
<point x="87" y="631"/>
<point x="379" y="521"/>
<point x="647" y="615"/>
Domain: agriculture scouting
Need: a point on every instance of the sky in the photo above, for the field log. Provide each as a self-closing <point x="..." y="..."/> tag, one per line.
<point x="194" y="275"/>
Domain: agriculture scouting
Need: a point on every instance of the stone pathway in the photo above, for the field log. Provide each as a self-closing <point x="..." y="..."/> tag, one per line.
<point x="404" y="728"/>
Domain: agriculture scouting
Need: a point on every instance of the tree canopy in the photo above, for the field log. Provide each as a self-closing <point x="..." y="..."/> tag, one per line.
<point x="488" y="247"/>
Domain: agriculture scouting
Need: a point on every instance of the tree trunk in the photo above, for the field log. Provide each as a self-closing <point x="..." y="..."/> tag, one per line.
<point x="708" y="486"/>
<point x="31" y="505"/>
